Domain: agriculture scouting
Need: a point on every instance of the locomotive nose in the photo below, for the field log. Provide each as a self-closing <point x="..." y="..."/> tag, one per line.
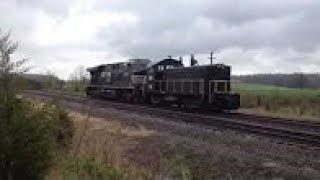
<point x="233" y="101"/>
<point x="226" y="101"/>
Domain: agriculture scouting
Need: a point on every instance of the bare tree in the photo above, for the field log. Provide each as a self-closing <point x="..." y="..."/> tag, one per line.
<point x="52" y="81"/>
<point x="9" y="70"/>
<point x="78" y="79"/>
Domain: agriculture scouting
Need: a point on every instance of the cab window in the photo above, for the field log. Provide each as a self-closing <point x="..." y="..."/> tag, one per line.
<point x="160" y="68"/>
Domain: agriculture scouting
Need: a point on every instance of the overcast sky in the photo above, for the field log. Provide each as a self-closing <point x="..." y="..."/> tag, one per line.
<point x="254" y="36"/>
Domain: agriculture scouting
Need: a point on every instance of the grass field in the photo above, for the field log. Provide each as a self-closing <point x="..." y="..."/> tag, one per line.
<point x="280" y="100"/>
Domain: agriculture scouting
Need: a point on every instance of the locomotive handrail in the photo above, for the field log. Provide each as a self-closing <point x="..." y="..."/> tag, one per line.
<point x="182" y="83"/>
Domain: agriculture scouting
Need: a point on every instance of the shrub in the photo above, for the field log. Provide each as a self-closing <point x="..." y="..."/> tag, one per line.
<point x="29" y="139"/>
<point x="64" y="129"/>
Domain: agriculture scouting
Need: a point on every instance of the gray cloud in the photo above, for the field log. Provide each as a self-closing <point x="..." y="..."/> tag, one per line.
<point x="249" y="24"/>
<point x="254" y="36"/>
<point x="56" y="7"/>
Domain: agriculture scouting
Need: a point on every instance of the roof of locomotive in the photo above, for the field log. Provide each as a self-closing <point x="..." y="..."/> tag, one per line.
<point x="180" y="65"/>
<point x="95" y="68"/>
<point x="167" y="61"/>
<point x="215" y="71"/>
<point x="200" y="67"/>
<point x="130" y="61"/>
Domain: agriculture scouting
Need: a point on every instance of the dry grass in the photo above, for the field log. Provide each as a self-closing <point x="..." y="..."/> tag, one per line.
<point x="143" y="147"/>
<point x="105" y="139"/>
<point x="100" y="146"/>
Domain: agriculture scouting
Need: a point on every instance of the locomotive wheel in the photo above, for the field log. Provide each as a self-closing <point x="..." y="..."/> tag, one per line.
<point x="154" y="100"/>
<point x="122" y="98"/>
<point x="126" y="97"/>
<point x="129" y="98"/>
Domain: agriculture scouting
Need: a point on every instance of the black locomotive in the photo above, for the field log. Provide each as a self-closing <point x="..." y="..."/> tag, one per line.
<point x="166" y="82"/>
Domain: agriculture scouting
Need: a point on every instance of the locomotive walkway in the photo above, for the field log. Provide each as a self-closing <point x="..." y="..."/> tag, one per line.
<point x="300" y="133"/>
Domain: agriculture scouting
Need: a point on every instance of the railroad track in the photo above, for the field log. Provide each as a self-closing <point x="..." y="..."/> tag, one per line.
<point x="302" y="133"/>
<point x="296" y="124"/>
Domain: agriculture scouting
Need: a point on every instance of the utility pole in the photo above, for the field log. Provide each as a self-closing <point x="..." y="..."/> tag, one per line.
<point x="211" y="57"/>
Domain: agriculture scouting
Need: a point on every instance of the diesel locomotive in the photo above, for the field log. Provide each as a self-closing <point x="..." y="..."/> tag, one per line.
<point x="166" y="82"/>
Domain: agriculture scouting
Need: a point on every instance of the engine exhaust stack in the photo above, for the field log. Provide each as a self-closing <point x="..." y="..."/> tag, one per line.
<point x="193" y="61"/>
<point x="181" y="59"/>
<point x="211" y="57"/>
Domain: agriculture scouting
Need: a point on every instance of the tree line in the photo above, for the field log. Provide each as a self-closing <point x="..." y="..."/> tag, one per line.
<point x="76" y="81"/>
<point x="294" y="80"/>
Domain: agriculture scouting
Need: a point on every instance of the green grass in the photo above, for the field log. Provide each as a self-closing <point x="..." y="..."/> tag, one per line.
<point x="280" y="100"/>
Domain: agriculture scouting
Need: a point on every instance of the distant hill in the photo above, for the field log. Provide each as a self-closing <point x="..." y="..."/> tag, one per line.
<point x="40" y="77"/>
<point x="40" y="81"/>
<point x="295" y="80"/>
